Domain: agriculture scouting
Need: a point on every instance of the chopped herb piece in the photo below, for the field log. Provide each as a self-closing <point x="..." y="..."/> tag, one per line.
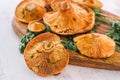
<point x="47" y="28"/>
<point x="96" y="10"/>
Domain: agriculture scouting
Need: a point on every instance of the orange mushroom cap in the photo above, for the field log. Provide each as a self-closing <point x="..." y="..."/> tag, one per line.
<point x="48" y="2"/>
<point x="40" y="2"/>
<point x="29" y="10"/>
<point x="71" y="18"/>
<point x="36" y="26"/>
<point x="45" y="55"/>
<point x="95" y="45"/>
<point x="44" y="3"/>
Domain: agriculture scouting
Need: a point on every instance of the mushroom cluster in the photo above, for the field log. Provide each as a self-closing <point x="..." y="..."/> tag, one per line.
<point x="45" y="54"/>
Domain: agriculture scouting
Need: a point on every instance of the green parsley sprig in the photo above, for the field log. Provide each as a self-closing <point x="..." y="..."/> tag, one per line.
<point x="69" y="43"/>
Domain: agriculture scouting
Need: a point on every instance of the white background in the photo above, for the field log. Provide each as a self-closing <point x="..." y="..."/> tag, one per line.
<point x="12" y="65"/>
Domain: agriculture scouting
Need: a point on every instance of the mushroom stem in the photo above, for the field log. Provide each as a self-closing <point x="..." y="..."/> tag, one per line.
<point x="48" y="46"/>
<point x="64" y="5"/>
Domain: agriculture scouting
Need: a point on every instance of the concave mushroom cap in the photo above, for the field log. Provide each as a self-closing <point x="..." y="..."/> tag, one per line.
<point x="36" y="26"/>
<point x="71" y="18"/>
<point x="95" y="45"/>
<point x="45" y="55"/>
<point x="29" y="10"/>
<point x="90" y="3"/>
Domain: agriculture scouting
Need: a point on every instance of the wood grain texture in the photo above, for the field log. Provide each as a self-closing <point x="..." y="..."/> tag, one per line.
<point x="111" y="63"/>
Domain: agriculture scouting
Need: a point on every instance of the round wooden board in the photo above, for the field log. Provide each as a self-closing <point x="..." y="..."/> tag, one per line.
<point x="112" y="63"/>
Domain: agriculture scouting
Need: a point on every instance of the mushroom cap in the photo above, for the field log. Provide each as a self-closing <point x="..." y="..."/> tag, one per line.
<point x="45" y="54"/>
<point x="40" y="2"/>
<point x="91" y="3"/>
<point x="36" y="26"/>
<point x="71" y="18"/>
<point x="29" y="10"/>
<point x="44" y="3"/>
<point x="95" y="45"/>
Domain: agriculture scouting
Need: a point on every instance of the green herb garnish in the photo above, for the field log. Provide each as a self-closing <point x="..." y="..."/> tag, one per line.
<point x="47" y="28"/>
<point x="114" y="33"/>
<point x="69" y="43"/>
<point x="97" y="12"/>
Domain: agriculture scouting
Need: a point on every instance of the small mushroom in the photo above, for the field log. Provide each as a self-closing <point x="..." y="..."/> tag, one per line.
<point x="91" y="3"/>
<point x="71" y="18"/>
<point x="95" y="45"/>
<point x="28" y="11"/>
<point x="46" y="55"/>
<point x="36" y="26"/>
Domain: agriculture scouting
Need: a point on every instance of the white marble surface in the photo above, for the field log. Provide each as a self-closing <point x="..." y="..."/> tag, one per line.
<point x="12" y="65"/>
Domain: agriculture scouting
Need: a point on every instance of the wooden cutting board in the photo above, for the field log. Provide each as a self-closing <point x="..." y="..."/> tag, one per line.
<point x="111" y="63"/>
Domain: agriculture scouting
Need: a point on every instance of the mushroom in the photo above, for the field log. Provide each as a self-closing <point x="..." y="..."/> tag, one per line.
<point x="29" y="10"/>
<point x="95" y="45"/>
<point x="46" y="55"/>
<point x="36" y="26"/>
<point x="40" y="2"/>
<point x="90" y="3"/>
<point x="71" y="18"/>
<point x="48" y="2"/>
<point x="44" y="3"/>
